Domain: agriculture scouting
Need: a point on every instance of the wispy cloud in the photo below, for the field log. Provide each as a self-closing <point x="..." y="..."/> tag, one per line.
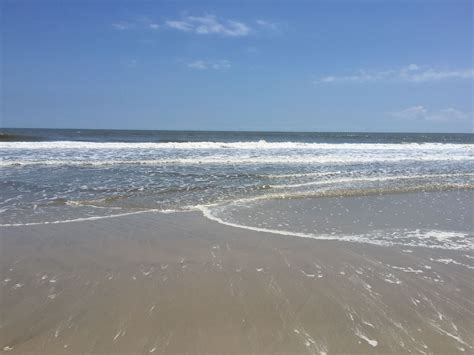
<point x="122" y="25"/>
<point x="267" y="25"/>
<point x="411" y="73"/>
<point x="179" y="25"/>
<point x="420" y="113"/>
<point x="209" y="64"/>
<point x="202" y="25"/>
<point x="210" y="24"/>
<point x="136" y="23"/>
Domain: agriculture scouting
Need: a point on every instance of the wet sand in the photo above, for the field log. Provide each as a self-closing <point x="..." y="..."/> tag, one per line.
<point x="179" y="283"/>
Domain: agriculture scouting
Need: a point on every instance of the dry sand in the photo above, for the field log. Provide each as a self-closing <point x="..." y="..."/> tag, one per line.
<point x="179" y="283"/>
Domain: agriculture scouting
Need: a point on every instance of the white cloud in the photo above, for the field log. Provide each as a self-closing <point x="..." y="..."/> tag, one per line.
<point x="411" y="73"/>
<point x="272" y="26"/>
<point x="412" y="113"/>
<point x="198" y="64"/>
<point x="203" y="25"/>
<point x="210" y="24"/>
<point x="179" y="25"/>
<point x="437" y="75"/>
<point x="420" y="113"/>
<point x="137" y="22"/>
<point x="209" y="64"/>
<point x="122" y="25"/>
<point x="411" y="67"/>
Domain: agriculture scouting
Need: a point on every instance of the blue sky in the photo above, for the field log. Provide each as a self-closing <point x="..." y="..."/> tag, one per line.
<point x="238" y="65"/>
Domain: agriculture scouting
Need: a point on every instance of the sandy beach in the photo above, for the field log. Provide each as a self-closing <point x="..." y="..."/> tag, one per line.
<point x="179" y="283"/>
<point x="236" y="177"/>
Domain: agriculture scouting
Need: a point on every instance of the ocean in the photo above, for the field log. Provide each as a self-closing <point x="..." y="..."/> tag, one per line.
<point x="236" y="178"/>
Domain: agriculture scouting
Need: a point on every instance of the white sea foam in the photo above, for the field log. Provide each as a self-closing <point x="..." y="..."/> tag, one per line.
<point x="233" y="145"/>
<point x="235" y="160"/>
<point x="435" y="239"/>
<point x="186" y="153"/>
<point x="452" y="261"/>
<point x="84" y="219"/>
<point x="361" y="335"/>
<point x="368" y="178"/>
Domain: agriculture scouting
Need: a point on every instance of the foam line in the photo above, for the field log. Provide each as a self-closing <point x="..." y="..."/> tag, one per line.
<point x="440" y="235"/>
<point x="84" y="219"/>
<point x="236" y="160"/>
<point x="233" y="145"/>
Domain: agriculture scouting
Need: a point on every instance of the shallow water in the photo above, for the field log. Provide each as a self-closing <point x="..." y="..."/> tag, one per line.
<point x="437" y="219"/>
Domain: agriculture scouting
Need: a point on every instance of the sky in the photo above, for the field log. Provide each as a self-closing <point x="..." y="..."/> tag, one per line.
<point x="287" y="65"/>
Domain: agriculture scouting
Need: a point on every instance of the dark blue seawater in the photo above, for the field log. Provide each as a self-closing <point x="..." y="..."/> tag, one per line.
<point x="90" y="135"/>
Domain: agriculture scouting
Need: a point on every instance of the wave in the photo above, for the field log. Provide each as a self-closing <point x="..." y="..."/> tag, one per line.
<point x="338" y="193"/>
<point x="258" y="145"/>
<point x="371" y="179"/>
<point x="236" y="160"/>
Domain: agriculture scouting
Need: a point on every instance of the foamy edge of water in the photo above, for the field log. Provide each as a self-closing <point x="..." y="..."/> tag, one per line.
<point x="206" y="211"/>
<point x="355" y="238"/>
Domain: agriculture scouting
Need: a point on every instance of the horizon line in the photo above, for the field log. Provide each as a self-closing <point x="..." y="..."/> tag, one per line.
<point x="240" y="131"/>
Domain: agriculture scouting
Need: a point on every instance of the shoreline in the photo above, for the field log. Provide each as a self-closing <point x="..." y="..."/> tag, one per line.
<point x="167" y="283"/>
<point x="455" y="196"/>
